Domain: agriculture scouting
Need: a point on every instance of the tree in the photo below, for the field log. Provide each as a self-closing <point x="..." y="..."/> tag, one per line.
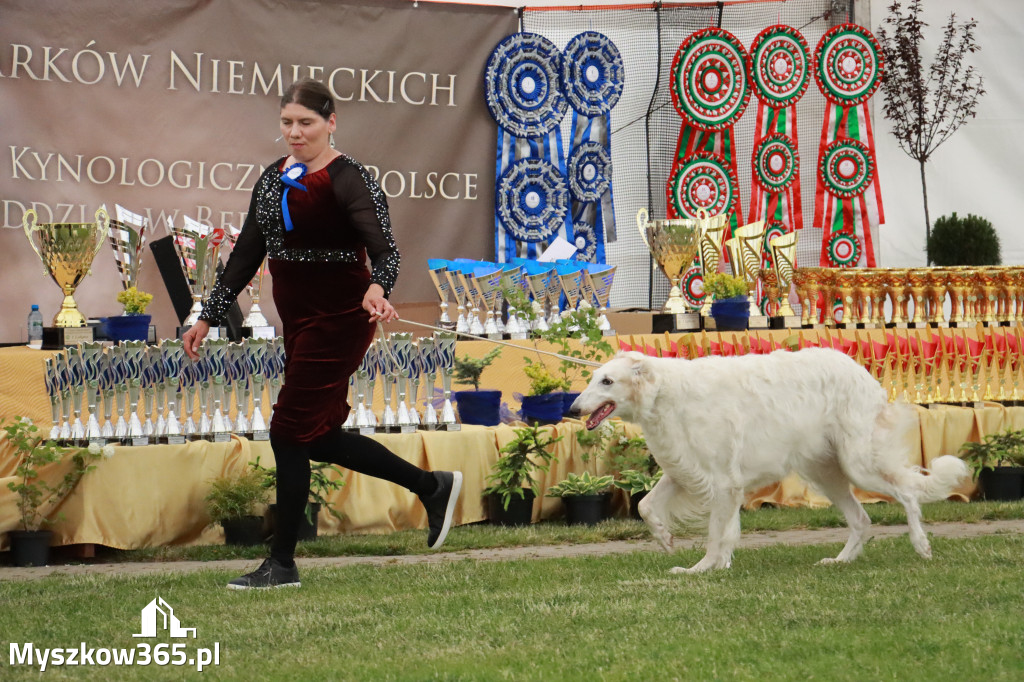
<point x="927" y="105"/>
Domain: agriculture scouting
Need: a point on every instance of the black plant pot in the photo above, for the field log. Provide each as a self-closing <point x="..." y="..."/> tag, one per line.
<point x="245" y="531"/>
<point x="519" y="512"/>
<point x="1002" y="483"/>
<point x="634" y="503"/>
<point x="30" y="547"/>
<point x="586" y="510"/>
<point x="307" y="530"/>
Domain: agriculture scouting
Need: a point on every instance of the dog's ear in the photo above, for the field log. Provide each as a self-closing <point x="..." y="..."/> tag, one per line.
<point x="640" y="367"/>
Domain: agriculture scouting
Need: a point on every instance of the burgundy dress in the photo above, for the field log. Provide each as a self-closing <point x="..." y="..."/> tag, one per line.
<point x="320" y="277"/>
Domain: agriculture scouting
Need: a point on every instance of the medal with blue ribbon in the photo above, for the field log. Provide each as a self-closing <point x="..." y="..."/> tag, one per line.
<point x="290" y="177"/>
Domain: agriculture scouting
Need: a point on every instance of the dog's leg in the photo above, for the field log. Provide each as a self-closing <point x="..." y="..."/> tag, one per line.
<point x="723" y="533"/>
<point x="918" y="538"/>
<point x="653" y="510"/>
<point x="831" y="480"/>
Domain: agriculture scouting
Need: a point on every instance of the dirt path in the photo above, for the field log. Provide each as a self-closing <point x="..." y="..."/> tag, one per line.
<point x="748" y="540"/>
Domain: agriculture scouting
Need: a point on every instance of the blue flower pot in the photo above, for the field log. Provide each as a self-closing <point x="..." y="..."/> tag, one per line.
<point x="479" y="407"/>
<point x="127" y="327"/>
<point x="568" y="398"/>
<point x="731" y="314"/>
<point x="546" y="409"/>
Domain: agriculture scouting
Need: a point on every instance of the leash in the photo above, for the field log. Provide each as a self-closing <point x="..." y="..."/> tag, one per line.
<point x="566" y="358"/>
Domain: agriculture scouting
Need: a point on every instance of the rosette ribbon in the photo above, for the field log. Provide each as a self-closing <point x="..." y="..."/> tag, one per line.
<point x="524" y="95"/>
<point x="290" y="177"/>
<point x="780" y="71"/>
<point x="592" y="79"/>
<point x="848" y="67"/>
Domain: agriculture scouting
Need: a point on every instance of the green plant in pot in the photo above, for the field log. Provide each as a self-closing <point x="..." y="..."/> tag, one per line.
<point x="730" y="307"/>
<point x="320" y="486"/>
<point x="998" y="464"/>
<point x="585" y="497"/>
<point x="133" y="325"/>
<point x="235" y="503"/>
<point x="512" y="478"/>
<point x="37" y="497"/>
<point x="476" y="406"/>
<point x="544" y="404"/>
<point x="577" y="336"/>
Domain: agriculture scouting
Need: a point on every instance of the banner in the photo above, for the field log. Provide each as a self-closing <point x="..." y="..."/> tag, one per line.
<point x="170" y="109"/>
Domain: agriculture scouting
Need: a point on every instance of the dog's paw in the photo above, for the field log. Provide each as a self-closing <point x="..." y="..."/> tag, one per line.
<point x="830" y="560"/>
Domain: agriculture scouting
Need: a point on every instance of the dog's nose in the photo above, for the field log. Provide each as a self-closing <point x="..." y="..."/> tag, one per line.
<point x="574" y="412"/>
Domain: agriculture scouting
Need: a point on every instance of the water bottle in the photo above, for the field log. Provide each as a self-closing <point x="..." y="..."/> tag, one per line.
<point x="35" y="328"/>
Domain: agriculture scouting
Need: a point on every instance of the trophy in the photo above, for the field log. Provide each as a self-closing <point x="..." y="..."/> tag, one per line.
<point x="155" y="388"/>
<point x="172" y="355"/>
<point x="107" y="381"/>
<point x="712" y="235"/>
<point x="465" y="275"/>
<point x="437" y="268"/>
<point x="783" y="250"/>
<point x="402" y="365"/>
<point x="91" y="359"/>
<point x="598" y="279"/>
<point x="364" y="421"/>
<point x="255" y="320"/>
<point x="458" y="289"/>
<point x="512" y="283"/>
<point x="428" y="368"/>
<point x="119" y="384"/>
<point x="134" y="352"/>
<point x="570" y="275"/>
<point x="554" y="295"/>
<point x="237" y="375"/>
<point x="486" y="281"/>
<point x="67" y="251"/>
<point x="53" y="392"/>
<point x="537" y="284"/>
<point x="127" y="237"/>
<point x="444" y="347"/>
<point x="198" y="251"/>
<point x="745" y="260"/>
<point x="255" y="355"/>
<point x="673" y="245"/>
<point x="217" y="362"/>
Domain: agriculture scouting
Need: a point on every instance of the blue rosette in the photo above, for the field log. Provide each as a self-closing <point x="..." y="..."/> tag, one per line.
<point x="521" y="84"/>
<point x="590" y="168"/>
<point x="585" y="241"/>
<point x="592" y="74"/>
<point x="532" y="200"/>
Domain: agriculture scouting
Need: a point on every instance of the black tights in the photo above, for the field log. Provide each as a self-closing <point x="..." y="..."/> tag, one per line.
<point x="350" y="450"/>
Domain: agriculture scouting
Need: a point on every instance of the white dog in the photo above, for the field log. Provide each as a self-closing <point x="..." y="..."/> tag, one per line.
<point x="720" y="427"/>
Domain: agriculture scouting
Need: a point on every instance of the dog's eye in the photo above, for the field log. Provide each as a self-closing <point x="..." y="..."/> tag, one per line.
<point x="606" y="381"/>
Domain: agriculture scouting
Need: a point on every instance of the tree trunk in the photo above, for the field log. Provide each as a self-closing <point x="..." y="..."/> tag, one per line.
<point x="927" y="220"/>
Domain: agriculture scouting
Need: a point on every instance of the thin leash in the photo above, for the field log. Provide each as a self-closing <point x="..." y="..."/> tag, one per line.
<point x="566" y="358"/>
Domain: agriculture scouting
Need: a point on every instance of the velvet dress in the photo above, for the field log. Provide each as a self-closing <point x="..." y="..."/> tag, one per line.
<point x="319" y="280"/>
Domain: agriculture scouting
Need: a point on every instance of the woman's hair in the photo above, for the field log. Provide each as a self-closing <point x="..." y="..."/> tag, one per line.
<point x="311" y="94"/>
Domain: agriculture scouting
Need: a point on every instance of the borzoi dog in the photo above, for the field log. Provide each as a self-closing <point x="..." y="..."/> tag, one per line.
<point x="720" y="427"/>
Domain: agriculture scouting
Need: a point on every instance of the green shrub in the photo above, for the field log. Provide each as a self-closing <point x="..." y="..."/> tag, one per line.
<point x="963" y="241"/>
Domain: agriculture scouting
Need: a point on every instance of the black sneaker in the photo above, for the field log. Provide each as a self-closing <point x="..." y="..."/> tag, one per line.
<point x="270" y="574"/>
<point x="441" y="506"/>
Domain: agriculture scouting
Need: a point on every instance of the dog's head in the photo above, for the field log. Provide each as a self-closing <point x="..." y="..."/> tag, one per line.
<point x="614" y="390"/>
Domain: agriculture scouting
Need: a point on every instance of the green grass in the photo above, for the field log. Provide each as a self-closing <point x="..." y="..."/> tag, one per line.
<point x="773" y="616"/>
<point x="485" y="536"/>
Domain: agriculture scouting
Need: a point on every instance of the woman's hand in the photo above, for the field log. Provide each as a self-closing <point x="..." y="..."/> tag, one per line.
<point x="380" y="308"/>
<point x="193" y="338"/>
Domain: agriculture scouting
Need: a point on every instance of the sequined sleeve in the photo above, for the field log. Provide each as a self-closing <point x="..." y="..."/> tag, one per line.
<point x="243" y="263"/>
<point x="356" y="190"/>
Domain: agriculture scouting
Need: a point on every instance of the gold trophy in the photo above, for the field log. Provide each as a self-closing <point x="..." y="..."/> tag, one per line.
<point x="808" y="286"/>
<point x="783" y="250"/>
<point x="896" y="287"/>
<point x="958" y="284"/>
<point x="67" y="251"/>
<point x="745" y="260"/>
<point x="712" y="234"/>
<point x="845" y="279"/>
<point x="674" y="245"/>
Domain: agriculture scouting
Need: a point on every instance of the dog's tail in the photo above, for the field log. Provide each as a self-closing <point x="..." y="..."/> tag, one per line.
<point x="892" y="434"/>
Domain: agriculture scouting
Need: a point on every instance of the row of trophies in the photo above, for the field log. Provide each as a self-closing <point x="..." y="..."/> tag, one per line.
<point x="136" y="394"/>
<point x="917" y="297"/>
<point x="556" y="289"/>
<point x="67" y="251"/>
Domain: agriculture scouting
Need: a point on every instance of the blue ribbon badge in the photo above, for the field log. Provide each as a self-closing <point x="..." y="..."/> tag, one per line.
<point x="290" y="177"/>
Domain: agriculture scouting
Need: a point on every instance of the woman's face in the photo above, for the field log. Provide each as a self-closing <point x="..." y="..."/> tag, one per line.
<point x="306" y="132"/>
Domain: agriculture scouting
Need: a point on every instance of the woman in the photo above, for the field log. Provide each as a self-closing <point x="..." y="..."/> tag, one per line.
<point x="317" y="213"/>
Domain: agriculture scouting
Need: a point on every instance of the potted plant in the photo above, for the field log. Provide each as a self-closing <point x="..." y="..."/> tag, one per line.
<point x="577" y="325"/>
<point x="233" y="502"/>
<point x="476" y="406"/>
<point x="636" y="483"/>
<point x="513" y="487"/>
<point x="37" y="498"/>
<point x="133" y="325"/>
<point x="320" y="485"/>
<point x="998" y="464"/>
<point x="585" y="497"/>
<point x="544" y="404"/>
<point x="730" y="307"/>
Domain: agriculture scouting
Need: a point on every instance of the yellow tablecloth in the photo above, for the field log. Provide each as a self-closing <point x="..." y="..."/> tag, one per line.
<point x="154" y="495"/>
